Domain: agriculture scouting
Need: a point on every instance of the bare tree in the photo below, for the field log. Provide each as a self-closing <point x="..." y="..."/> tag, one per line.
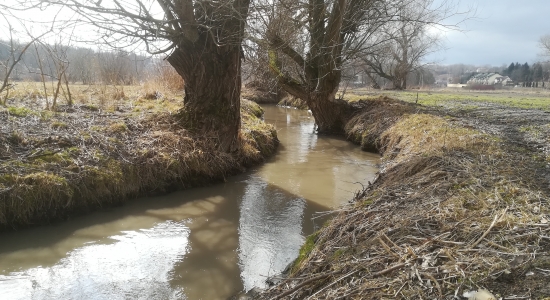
<point x="58" y="70"/>
<point x="399" y="47"/>
<point x="329" y="34"/>
<point x="203" y="39"/>
<point x="84" y="66"/>
<point x="327" y="31"/>
<point x="15" y="53"/>
<point x="544" y="43"/>
<point x="115" y="67"/>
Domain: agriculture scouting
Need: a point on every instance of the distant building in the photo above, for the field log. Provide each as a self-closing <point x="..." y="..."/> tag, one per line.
<point x="504" y="81"/>
<point x="489" y="79"/>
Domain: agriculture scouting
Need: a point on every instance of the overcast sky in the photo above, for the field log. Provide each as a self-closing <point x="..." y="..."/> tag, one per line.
<point x="504" y="31"/>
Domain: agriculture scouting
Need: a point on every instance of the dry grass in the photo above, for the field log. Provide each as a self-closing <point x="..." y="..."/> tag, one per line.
<point x="30" y="95"/>
<point x="452" y="210"/>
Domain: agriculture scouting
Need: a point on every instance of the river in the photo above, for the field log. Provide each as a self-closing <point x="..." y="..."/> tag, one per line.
<point x="203" y="243"/>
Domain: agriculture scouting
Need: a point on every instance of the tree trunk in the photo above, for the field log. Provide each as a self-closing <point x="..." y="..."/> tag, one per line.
<point x="400" y="81"/>
<point x="212" y="76"/>
<point x="330" y="114"/>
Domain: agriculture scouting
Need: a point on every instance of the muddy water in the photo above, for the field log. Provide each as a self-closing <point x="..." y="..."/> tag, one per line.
<point x="205" y="243"/>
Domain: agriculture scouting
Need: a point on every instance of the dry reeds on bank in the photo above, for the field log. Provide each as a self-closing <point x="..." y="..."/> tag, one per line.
<point x="453" y="210"/>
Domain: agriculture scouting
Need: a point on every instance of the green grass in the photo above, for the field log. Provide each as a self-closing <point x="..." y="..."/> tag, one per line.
<point x="118" y="127"/>
<point x="58" y="124"/>
<point x="305" y="250"/>
<point x="467" y="98"/>
<point x="19" y="111"/>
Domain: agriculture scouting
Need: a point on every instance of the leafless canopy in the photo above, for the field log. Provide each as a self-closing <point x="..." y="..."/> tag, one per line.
<point x="544" y="43"/>
<point x="15" y="53"/>
<point x="400" y="45"/>
<point x="160" y="24"/>
<point x="322" y="34"/>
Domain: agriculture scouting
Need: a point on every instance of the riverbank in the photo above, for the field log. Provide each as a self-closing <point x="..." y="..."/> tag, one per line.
<point x="96" y="154"/>
<point x="460" y="204"/>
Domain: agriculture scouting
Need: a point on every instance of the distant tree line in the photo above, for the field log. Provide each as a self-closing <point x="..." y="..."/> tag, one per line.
<point x="78" y="64"/>
<point x="525" y="73"/>
<point x="529" y="75"/>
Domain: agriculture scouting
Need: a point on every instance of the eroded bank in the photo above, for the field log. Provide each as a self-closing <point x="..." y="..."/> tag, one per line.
<point x="80" y="159"/>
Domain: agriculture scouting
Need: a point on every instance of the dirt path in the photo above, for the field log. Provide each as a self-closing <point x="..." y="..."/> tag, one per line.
<point x="526" y="127"/>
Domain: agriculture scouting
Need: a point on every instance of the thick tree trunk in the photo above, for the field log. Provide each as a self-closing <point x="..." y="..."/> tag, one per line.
<point x="397" y="84"/>
<point x="212" y="76"/>
<point x="330" y="114"/>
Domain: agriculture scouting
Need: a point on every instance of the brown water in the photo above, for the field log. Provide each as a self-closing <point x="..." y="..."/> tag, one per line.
<point x="205" y="243"/>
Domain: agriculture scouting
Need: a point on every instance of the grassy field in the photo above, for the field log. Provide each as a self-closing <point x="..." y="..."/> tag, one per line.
<point x="519" y="97"/>
<point x="97" y="96"/>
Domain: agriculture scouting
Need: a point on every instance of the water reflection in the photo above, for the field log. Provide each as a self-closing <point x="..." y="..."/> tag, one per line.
<point x="322" y="169"/>
<point x="270" y="232"/>
<point x="135" y="263"/>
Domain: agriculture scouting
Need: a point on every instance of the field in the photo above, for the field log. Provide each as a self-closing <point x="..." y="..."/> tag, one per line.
<point x="451" y="97"/>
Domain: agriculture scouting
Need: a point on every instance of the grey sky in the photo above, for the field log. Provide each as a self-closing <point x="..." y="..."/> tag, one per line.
<point x="504" y="31"/>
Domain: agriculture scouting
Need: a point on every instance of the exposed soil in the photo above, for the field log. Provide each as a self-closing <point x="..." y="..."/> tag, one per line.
<point x="461" y="203"/>
<point x="525" y="127"/>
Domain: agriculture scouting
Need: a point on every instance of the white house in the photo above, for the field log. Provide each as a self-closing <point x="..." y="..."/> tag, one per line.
<point x="489" y="79"/>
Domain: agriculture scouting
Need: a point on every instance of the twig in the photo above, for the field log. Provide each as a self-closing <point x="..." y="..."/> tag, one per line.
<point x="398" y="266"/>
<point x="387" y="248"/>
<point x="489" y="229"/>
<point x="399" y="290"/>
<point x="43" y="154"/>
<point x="294" y="289"/>
<point x="391" y="242"/>
<point x="435" y="281"/>
<point x="334" y="282"/>
<point x="499" y="246"/>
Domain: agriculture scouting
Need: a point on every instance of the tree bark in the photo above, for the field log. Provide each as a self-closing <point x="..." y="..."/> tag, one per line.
<point x="330" y="114"/>
<point x="212" y="76"/>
